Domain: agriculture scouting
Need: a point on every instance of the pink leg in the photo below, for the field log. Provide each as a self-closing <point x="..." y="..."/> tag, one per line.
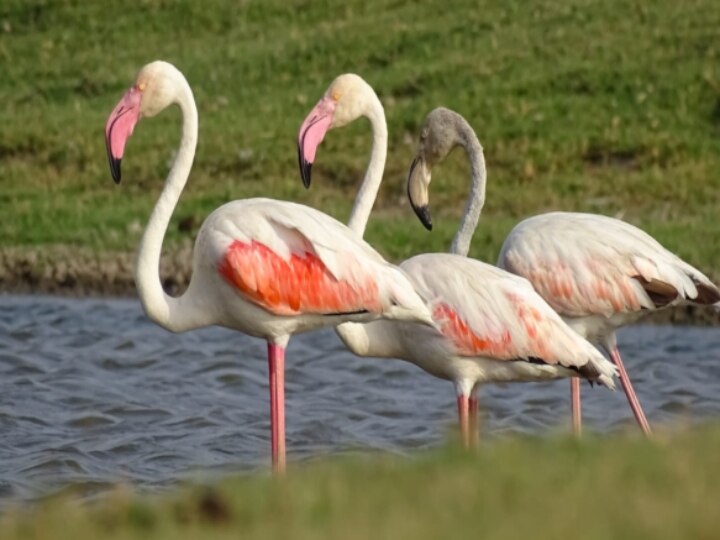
<point x="463" y="415"/>
<point x="576" y="406"/>
<point x="276" y="365"/>
<point x="473" y="421"/>
<point x="630" y="393"/>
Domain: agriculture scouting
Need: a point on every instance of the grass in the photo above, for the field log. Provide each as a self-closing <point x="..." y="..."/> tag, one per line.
<point x="592" y="105"/>
<point x="615" y="487"/>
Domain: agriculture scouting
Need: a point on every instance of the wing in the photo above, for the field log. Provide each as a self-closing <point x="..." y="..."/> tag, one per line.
<point x="292" y="260"/>
<point x="485" y="311"/>
<point x="586" y="264"/>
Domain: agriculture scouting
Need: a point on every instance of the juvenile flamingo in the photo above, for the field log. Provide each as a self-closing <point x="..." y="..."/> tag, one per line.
<point x="490" y="325"/>
<point x="267" y="268"/>
<point x="597" y="272"/>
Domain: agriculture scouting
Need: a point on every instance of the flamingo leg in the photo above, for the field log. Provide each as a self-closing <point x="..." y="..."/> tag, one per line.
<point x="576" y="406"/>
<point x="473" y="421"/>
<point x="630" y="393"/>
<point x="463" y="415"/>
<point x="276" y="368"/>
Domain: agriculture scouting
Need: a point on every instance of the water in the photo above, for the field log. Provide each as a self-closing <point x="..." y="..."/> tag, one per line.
<point x="92" y="393"/>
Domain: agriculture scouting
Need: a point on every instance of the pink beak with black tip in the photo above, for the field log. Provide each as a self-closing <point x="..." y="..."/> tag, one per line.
<point x="119" y="127"/>
<point x="312" y="132"/>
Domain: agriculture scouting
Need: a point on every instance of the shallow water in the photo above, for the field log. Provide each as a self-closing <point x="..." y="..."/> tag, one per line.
<point x="93" y="393"/>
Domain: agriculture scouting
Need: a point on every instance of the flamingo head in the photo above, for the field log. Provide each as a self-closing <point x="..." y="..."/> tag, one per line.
<point x="346" y="99"/>
<point x="439" y="135"/>
<point x="155" y="88"/>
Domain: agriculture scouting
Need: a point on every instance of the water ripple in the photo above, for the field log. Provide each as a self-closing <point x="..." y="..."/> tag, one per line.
<point x="93" y="393"/>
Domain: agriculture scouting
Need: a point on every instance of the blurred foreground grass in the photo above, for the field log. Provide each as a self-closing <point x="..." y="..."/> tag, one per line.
<point x="597" y="488"/>
<point x="592" y="105"/>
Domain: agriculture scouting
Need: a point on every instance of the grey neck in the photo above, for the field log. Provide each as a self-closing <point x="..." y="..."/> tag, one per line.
<point x="476" y="198"/>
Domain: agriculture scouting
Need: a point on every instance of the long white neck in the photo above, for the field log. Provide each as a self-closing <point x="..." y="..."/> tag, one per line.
<point x="367" y="194"/>
<point x="369" y="339"/>
<point x="171" y="313"/>
<point x="476" y="198"/>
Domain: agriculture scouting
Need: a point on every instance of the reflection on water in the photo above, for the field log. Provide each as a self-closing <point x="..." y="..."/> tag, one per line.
<point x="93" y="393"/>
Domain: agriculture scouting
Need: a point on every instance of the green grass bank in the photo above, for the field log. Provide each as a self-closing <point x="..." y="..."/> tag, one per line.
<point x="599" y="488"/>
<point x="591" y="105"/>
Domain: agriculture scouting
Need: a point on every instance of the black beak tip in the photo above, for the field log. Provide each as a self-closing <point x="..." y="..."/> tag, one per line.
<point x="423" y="213"/>
<point x="113" y="161"/>
<point x="115" y="169"/>
<point x="307" y="174"/>
<point x="305" y="169"/>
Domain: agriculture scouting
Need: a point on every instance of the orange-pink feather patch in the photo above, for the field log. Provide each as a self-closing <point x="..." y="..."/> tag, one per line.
<point x="603" y="289"/>
<point x="302" y="284"/>
<point x="466" y="341"/>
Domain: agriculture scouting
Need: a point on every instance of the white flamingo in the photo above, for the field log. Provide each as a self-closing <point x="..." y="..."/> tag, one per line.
<point x="601" y="273"/>
<point x="491" y="325"/>
<point x="267" y="268"/>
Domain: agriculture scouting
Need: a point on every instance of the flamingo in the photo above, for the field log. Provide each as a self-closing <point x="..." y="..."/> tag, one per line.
<point x="489" y="324"/>
<point x="600" y="273"/>
<point x="264" y="267"/>
<point x="597" y="272"/>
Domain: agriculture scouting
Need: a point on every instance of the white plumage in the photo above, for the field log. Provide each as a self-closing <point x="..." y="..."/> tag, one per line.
<point x="601" y="273"/>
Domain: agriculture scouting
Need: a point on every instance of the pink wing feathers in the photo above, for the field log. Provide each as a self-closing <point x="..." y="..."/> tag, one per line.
<point x="290" y="259"/>
<point x="485" y="311"/>
<point x="585" y="264"/>
<point x="300" y="284"/>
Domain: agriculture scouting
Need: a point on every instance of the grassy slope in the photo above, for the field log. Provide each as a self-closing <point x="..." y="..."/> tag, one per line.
<point x="530" y="488"/>
<point x="595" y="105"/>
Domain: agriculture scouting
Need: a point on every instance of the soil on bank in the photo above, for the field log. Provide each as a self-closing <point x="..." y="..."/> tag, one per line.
<point x="70" y="271"/>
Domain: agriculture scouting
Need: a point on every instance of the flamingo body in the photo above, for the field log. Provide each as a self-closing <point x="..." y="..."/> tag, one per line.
<point x="490" y="326"/>
<point x="280" y="268"/>
<point x="600" y="273"/>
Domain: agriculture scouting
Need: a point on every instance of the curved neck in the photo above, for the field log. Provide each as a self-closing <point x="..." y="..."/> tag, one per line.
<point x="373" y="176"/>
<point x="167" y="311"/>
<point x="476" y="198"/>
